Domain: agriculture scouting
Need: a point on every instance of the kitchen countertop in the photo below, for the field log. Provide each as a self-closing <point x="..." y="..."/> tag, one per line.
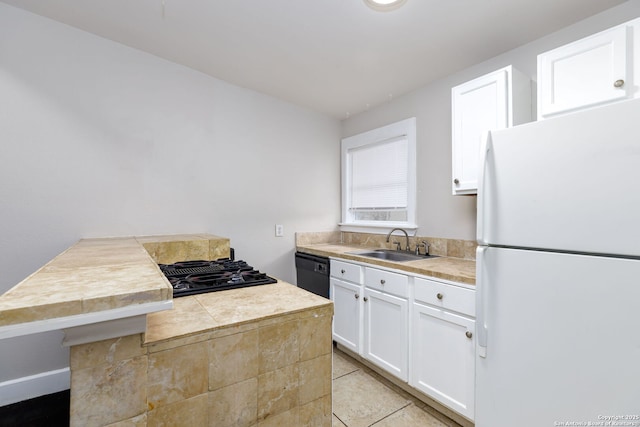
<point x="213" y="311"/>
<point x="448" y="268"/>
<point x="98" y="275"/>
<point x="92" y="275"/>
<point x="112" y="275"/>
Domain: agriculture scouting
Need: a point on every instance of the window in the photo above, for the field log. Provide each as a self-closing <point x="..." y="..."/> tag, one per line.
<point x="379" y="178"/>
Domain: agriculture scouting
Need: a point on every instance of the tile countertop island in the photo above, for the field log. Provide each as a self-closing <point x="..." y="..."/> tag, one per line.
<point x="449" y="268"/>
<point x="101" y="280"/>
<point x="251" y="356"/>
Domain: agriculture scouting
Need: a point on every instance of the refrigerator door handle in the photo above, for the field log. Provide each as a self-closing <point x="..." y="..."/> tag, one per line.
<point x="481" y="306"/>
<point x="482" y="229"/>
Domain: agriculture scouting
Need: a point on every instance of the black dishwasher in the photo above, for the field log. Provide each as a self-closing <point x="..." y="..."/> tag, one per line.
<point x="312" y="273"/>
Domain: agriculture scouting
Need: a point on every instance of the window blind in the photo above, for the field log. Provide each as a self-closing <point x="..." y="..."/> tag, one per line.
<point x="379" y="176"/>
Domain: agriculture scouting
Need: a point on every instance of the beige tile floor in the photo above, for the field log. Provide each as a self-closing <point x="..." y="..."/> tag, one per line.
<point x="362" y="398"/>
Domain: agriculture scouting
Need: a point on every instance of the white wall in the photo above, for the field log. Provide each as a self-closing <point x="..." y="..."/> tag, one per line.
<point x="97" y="139"/>
<point x="439" y="213"/>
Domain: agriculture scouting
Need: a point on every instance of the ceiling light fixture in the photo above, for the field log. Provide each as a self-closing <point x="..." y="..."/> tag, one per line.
<point x="384" y="5"/>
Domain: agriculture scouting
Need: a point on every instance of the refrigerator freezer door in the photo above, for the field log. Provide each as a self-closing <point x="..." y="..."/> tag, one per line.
<point x="567" y="184"/>
<point x="562" y="339"/>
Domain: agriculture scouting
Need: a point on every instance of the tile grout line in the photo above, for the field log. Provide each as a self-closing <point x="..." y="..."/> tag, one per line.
<point x="344" y="375"/>
<point x="388" y="415"/>
<point x="342" y="422"/>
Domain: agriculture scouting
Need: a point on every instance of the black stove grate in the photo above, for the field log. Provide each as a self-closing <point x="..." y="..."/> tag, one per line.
<point x="196" y="277"/>
<point x="187" y="271"/>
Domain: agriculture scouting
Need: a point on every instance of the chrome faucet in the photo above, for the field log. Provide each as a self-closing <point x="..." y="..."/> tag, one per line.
<point x="426" y="248"/>
<point x="405" y="234"/>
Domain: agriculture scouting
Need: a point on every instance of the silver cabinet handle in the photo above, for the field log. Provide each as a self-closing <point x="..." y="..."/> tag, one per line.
<point x="439" y="296"/>
<point x="365" y="299"/>
<point x="382" y="282"/>
<point x="357" y="296"/>
<point x="456" y="181"/>
<point x="469" y="334"/>
<point x="342" y="271"/>
<point x="618" y="83"/>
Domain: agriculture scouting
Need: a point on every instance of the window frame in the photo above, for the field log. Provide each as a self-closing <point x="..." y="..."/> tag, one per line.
<point x="406" y="128"/>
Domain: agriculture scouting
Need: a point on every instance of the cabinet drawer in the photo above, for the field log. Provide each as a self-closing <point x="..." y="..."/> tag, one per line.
<point x="385" y="281"/>
<point x="346" y="271"/>
<point x="445" y="296"/>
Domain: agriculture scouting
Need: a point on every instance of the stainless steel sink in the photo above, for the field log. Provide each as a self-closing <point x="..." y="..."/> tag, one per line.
<point x="391" y="255"/>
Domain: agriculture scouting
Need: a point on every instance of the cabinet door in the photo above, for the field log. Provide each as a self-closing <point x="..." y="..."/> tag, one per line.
<point x="386" y="322"/>
<point x="443" y="357"/>
<point x="347" y="317"/>
<point x="477" y="107"/>
<point x="585" y="73"/>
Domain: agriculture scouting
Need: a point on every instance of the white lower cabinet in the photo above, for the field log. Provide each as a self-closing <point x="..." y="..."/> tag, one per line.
<point x="417" y="329"/>
<point x="386" y="320"/>
<point x="442" y="350"/>
<point x="386" y="324"/>
<point x="347" y="313"/>
<point x="443" y="357"/>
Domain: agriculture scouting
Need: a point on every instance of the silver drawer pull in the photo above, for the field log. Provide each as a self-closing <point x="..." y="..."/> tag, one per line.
<point x="342" y="271"/>
<point x="382" y="282"/>
<point x="439" y="296"/>
<point x="618" y="83"/>
<point x="456" y="181"/>
<point x="365" y="299"/>
<point x="469" y="334"/>
<point x="357" y="296"/>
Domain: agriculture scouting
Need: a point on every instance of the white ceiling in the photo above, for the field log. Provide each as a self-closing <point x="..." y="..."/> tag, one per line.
<point x="335" y="56"/>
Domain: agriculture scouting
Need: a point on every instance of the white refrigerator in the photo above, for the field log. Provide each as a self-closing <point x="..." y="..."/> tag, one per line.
<point x="558" y="272"/>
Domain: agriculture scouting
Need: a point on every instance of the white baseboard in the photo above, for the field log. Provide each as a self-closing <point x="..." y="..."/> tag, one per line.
<point x="25" y="388"/>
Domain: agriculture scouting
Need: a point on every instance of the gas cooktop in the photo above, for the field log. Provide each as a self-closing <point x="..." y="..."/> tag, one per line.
<point x="200" y="276"/>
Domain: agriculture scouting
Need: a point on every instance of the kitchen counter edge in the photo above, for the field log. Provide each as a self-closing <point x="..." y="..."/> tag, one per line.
<point x="447" y="268"/>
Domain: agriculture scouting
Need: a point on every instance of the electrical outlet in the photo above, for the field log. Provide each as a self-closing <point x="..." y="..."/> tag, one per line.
<point x="279" y="230"/>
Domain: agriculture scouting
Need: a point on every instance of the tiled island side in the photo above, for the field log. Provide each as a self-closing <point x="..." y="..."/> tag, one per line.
<point x="214" y="360"/>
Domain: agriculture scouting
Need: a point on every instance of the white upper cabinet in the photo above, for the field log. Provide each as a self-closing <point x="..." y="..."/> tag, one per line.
<point x="497" y="100"/>
<point x="593" y="71"/>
